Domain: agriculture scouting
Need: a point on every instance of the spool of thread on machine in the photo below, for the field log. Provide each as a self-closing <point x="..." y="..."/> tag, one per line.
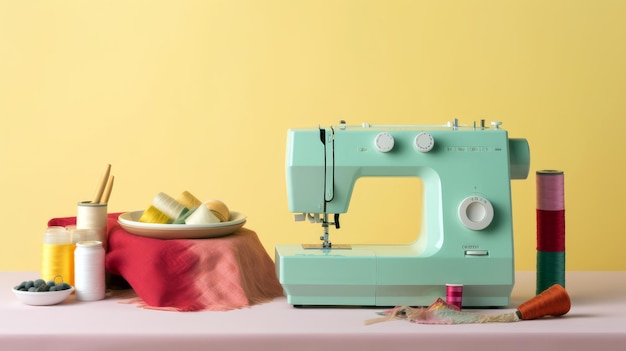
<point x="550" y="229"/>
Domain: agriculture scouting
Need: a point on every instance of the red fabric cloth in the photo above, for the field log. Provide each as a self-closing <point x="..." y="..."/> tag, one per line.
<point x="223" y="273"/>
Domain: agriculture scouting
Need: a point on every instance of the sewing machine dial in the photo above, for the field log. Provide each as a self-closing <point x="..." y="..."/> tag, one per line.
<point x="424" y="142"/>
<point x="476" y="212"/>
<point x="384" y="142"/>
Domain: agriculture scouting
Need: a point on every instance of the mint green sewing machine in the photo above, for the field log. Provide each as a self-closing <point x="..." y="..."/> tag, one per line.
<point x="467" y="229"/>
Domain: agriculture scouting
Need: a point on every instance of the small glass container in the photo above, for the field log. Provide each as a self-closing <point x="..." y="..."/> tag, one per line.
<point x="57" y="255"/>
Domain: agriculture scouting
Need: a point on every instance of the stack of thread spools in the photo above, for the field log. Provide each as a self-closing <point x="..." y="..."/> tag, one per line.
<point x="550" y="229"/>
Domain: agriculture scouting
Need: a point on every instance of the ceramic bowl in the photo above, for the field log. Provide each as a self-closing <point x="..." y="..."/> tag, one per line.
<point x="130" y="222"/>
<point x="44" y="298"/>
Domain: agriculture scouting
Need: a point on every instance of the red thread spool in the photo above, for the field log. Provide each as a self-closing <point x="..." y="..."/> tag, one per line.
<point x="454" y="295"/>
<point x="551" y="230"/>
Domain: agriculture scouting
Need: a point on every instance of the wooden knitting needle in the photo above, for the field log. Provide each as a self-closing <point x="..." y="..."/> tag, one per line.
<point x="103" y="182"/>
<point x="107" y="191"/>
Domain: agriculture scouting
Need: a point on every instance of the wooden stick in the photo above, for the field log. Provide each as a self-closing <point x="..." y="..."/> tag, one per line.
<point x="103" y="182"/>
<point x="107" y="191"/>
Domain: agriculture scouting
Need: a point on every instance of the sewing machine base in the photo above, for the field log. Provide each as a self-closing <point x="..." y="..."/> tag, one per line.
<point x="378" y="275"/>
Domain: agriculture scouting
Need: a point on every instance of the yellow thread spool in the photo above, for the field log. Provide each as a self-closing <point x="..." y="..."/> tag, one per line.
<point x="219" y="209"/>
<point x="188" y="200"/>
<point x="57" y="255"/>
<point x="153" y="215"/>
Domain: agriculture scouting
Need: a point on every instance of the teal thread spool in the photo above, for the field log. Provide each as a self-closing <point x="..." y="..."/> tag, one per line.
<point x="550" y="269"/>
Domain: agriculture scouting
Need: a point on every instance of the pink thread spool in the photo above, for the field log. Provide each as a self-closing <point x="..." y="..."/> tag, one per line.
<point x="454" y="295"/>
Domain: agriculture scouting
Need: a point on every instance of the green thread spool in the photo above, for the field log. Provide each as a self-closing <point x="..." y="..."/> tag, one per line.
<point x="550" y="269"/>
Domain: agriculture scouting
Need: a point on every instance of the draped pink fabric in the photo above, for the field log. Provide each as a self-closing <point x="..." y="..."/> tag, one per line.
<point x="222" y="273"/>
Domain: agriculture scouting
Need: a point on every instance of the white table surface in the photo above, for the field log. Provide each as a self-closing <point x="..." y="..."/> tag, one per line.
<point x="596" y="321"/>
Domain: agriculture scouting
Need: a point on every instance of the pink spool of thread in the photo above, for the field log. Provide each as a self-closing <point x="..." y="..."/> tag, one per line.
<point x="454" y="295"/>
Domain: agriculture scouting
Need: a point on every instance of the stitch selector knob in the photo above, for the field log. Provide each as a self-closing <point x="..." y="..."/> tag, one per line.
<point x="384" y="142"/>
<point x="476" y="212"/>
<point x="424" y="142"/>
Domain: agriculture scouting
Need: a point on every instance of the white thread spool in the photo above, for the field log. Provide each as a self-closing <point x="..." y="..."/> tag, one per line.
<point x="89" y="275"/>
<point x="166" y="204"/>
<point x="93" y="216"/>
<point x="202" y="215"/>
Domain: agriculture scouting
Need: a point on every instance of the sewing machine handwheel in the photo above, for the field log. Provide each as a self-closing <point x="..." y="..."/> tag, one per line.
<point x="476" y="212"/>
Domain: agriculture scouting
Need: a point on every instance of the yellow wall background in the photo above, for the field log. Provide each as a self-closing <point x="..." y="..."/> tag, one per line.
<point x="198" y="96"/>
